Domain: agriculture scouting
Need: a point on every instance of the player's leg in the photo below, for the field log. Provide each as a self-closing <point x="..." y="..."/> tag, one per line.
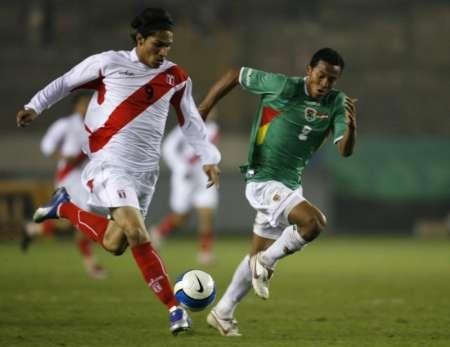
<point x="307" y="223"/>
<point x="280" y="209"/>
<point x="151" y="265"/>
<point x="221" y="316"/>
<point x="206" y="235"/>
<point x="180" y="204"/>
<point x="169" y="223"/>
<point x="95" y="227"/>
<point x="205" y="201"/>
<point x="91" y="265"/>
<point x="79" y="196"/>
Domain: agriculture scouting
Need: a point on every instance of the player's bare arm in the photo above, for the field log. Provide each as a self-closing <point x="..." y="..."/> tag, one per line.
<point x="347" y="144"/>
<point x="218" y="90"/>
<point x="25" y="116"/>
<point x="213" y="173"/>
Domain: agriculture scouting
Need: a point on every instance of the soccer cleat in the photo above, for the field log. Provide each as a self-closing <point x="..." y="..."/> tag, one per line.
<point x="225" y="326"/>
<point x="50" y="211"/>
<point x="179" y="321"/>
<point x="261" y="275"/>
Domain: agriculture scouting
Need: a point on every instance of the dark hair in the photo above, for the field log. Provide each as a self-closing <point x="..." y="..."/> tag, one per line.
<point x="150" y="21"/>
<point x="328" y="55"/>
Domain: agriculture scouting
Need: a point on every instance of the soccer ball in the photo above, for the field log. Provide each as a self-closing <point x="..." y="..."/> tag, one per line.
<point x="195" y="290"/>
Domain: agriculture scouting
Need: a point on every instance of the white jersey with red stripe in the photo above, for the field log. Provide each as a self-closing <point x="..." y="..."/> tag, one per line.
<point x="66" y="137"/>
<point x="180" y="156"/>
<point x="126" y="116"/>
<point x="188" y="181"/>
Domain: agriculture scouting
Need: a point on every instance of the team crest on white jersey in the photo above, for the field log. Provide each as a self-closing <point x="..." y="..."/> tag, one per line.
<point x="170" y="79"/>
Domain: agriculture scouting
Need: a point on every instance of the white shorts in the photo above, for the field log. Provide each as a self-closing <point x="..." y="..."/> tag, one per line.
<point x="112" y="186"/>
<point x="72" y="182"/>
<point x="273" y="202"/>
<point x="188" y="192"/>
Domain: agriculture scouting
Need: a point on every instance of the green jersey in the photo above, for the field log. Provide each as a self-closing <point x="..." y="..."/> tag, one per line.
<point x="289" y="126"/>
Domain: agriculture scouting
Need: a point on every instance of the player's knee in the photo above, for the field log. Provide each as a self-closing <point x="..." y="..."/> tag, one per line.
<point x="115" y="248"/>
<point x="310" y="228"/>
<point x="120" y="250"/>
<point x="135" y="234"/>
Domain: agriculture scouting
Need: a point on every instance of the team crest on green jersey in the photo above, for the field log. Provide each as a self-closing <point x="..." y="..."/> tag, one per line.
<point x="311" y="114"/>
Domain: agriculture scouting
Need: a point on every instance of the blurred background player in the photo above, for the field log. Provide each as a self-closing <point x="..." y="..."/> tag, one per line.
<point x="125" y="122"/>
<point x="64" y="141"/>
<point x="295" y="116"/>
<point x="188" y="190"/>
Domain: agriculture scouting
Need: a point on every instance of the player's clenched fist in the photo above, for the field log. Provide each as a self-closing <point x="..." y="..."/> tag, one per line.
<point x="25" y="117"/>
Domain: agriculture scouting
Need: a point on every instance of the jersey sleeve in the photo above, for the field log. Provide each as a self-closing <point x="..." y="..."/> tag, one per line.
<point x="87" y="71"/>
<point x="53" y="138"/>
<point x="339" y="119"/>
<point x="261" y="82"/>
<point x="192" y="125"/>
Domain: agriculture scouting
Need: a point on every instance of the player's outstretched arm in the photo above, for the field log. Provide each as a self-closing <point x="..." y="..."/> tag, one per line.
<point x="25" y="116"/>
<point x="346" y="146"/>
<point x="218" y="90"/>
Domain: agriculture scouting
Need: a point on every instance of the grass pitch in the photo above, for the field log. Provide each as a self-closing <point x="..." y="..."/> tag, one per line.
<point x="339" y="291"/>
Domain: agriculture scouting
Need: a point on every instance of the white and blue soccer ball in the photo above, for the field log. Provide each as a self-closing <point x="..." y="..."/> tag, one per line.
<point x="195" y="290"/>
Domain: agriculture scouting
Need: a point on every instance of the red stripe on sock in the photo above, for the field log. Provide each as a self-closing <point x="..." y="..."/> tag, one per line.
<point x="90" y="224"/>
<point x="154" y="273"/>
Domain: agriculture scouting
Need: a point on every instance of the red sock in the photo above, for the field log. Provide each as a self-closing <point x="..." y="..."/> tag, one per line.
<point x="48" y="227"/>
<point x="90" y="224"/>
<point x="84" y="245"/>
<point x="166" y="225"/>
<point x="206" y="241"/>
<point x="154" y="273"/>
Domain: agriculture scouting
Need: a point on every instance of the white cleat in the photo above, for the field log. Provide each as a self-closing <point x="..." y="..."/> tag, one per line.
<point x="225" y="326"/>
<point x="261" y="275"/>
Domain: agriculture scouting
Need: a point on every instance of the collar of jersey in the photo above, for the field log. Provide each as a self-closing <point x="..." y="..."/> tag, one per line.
<point x="133" y="55"/>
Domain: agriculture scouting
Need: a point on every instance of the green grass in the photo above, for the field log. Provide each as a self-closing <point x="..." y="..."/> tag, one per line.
<point x="336" y="292"/>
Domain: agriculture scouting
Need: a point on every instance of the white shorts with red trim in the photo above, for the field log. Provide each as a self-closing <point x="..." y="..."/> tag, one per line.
<point x="112" y="186"/>
<point x="273" y="202"/>
<point x="188" y="191"/>
<point x="72" y="182"/>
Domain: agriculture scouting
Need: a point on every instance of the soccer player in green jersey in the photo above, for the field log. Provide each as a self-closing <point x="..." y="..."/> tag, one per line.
<point x="295" y="116"/>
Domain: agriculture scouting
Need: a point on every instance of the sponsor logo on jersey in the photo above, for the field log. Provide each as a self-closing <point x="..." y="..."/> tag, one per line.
<point x="126" y="73"/>
<point x="311" y="114"/>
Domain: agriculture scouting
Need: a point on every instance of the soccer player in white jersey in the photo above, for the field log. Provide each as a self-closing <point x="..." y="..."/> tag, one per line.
<point x="188" y="190"/>
<point x="63" y="141"/>
<point x="125" y="121"/>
